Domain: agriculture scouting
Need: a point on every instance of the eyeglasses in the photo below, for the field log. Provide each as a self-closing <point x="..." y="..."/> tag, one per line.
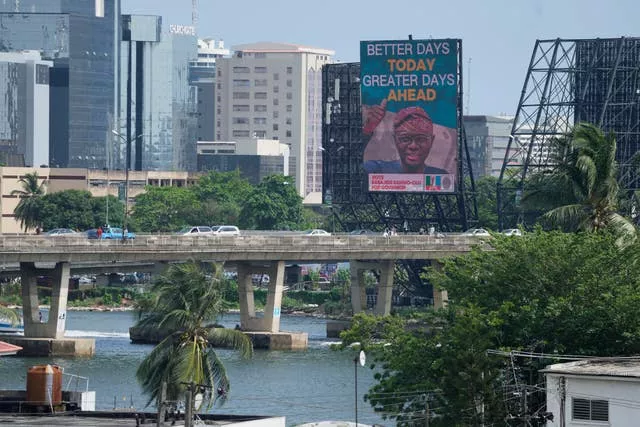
<point x="421" y="140"/>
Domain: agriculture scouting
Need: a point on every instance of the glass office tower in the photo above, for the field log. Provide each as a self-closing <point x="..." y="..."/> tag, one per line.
<point x="79" y="37"/>
<point x="158" y="104"/>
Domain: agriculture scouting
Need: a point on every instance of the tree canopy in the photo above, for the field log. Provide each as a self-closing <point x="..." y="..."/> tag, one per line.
<point x="544" y="292"/>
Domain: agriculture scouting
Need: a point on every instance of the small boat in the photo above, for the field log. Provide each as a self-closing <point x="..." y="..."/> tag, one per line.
<point x="7" y="328"/>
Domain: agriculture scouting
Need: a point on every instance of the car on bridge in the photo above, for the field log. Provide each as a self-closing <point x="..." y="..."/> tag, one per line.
<point x="200" y="230"/>
<point x="66" y="232"/>
<point x="225" y="230"/>
<point x="110" y="233"/>
<point x="477" y="232"/>
<point x="316" y="232"/>
<point x="363" y="231"/>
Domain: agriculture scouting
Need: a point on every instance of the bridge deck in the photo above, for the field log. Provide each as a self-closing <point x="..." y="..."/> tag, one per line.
<point x="150" y="248"/>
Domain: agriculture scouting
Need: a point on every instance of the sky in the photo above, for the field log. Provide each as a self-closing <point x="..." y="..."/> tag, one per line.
<point x="498" y="36"/>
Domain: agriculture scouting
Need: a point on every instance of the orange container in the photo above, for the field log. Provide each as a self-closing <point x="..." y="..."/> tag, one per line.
<point x="44" y="385"/>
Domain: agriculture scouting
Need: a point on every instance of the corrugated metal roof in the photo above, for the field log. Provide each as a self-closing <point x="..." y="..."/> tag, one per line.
<point x="611" y="367"/>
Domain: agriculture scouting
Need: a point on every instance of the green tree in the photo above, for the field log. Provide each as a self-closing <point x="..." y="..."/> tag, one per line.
<point x="165" y="209"/>
<point x="486" y="193"/>
<point x="273" y="205"/>
<point x="187" y="305"/>
<point x="28" y="211"/>
<point x="78" y="209"/>
<point x="581" y="193"/>
<point x="564" y="293"/>
<point x="222" y="187"/>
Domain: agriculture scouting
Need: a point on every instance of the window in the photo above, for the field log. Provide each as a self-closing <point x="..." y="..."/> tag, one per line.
<point x="288" y="120"/>
<point x="289" y="95"/>
<point x="275" y="114"/>
<point x="219" y="87"/>
<point x="241" y="95"/>
<point x="289" y="108"/>
<point x="276" y="89"/>
<point x="289" y="83"/>
<point x="219" y="73"/>
<point x="275" y="101"/>
<point x="260" y="82"/>
<point x="241" y="70"/>
<point x="288" y="135"/>
<point x="42" y="74"/>
<point x="260" y="55"/>
<point x="241" y="133"/>
<point x="240" y="120"/>
<point x="259" y="120"/>
<point x="591" y="410"/>
<point x="260" y="95"/>
<point x="219" y="111"/>
<point x="219" y="98"/>
<point x="259" y="108"/>
<point x="289" y="70"/>
<point x="260" y="134"/>
<point x="260" y="70"/>
<point x="275" y="126"/>
<point x="240" y="108"/>
<point x="276" y="76"/>
<point x="241" y="83"/>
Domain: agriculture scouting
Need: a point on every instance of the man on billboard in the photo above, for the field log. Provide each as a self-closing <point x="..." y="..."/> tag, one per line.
<point x="412" y="136"/>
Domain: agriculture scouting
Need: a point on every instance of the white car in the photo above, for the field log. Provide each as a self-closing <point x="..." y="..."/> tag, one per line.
<point x="479" y="232"/>
<point x="512" y="232"/>
<point x="316" y="232"/>
<point x="200" y="230"/>
<point x="225" y="230"/>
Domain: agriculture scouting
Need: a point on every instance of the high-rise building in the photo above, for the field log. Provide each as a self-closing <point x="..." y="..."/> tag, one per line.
<point x="24" y="109"/>
<point x="158" y="104"/>
<point x="79" y="36"/>
<point x="203" y="77"/>
<point x="274" y="91"/>
<point x="487" y="140"/>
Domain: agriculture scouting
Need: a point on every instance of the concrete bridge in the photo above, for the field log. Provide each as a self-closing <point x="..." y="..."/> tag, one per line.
<point x="253" y="254"/>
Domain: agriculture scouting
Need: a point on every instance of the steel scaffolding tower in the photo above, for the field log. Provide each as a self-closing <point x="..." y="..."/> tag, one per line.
<point x="568" y="82"/>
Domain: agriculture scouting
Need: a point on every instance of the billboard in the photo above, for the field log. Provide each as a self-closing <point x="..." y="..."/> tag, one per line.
<point x="409" y="92"/>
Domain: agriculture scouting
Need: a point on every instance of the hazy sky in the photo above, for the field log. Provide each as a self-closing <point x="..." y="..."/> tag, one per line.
<point x="497" y="35"/>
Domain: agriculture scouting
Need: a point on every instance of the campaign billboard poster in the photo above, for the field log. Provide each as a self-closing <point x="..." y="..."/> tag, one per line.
<point x="409" y="94"/>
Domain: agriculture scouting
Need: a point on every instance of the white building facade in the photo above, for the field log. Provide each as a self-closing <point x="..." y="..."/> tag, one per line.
<point x="594" y="392"/>
<point x="274" y="91"/>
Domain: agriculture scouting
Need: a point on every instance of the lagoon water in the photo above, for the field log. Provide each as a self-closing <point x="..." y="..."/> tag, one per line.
<point x="313" y="385"/>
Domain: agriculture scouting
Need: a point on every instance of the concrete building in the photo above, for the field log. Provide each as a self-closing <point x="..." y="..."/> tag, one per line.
<point x="157" y="104"/>
<point x="487" y="140"/>
<point x="97" y="181"/>
<point x="24" y="109"/>
<point x="203" y="77"/>
<point x="79" y="36"/>
<point x="274" y="91"/>
<point x="593" y="392"/>
<point x="254" y="158"/>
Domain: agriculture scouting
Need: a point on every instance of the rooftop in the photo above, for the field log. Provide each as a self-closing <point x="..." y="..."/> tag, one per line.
<point x="274" y="47"/>
<point x="609" y="367"/>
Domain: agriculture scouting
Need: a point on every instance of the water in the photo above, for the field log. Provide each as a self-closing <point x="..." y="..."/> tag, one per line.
<point x="313" y="385"/>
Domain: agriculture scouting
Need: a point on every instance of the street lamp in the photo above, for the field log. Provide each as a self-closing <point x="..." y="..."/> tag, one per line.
<point x="127" y="166"/>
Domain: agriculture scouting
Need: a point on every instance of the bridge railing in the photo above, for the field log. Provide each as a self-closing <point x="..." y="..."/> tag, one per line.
<point x="248" y="243"/>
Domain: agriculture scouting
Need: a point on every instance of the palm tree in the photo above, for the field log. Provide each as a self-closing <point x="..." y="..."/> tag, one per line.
<point x="28" y="209"/>
<point x="187" y="305"/>
<point x="581" y="193"/>
<point x="9" y="315"/>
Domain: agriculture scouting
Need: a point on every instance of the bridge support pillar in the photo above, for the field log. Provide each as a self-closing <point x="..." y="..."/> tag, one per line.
<point x="55" y="325"/>
<point x="385" y="289"/>
<point x="440" y="296"/>
<point x="270" y="322"/>
<point x="358" y="289"/>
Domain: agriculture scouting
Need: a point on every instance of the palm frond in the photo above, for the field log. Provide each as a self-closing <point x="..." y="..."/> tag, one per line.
<point x="231" y="338"/>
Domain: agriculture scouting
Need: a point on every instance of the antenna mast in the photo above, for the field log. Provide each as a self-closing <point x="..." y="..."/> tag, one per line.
<point x="194" y="14"/>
